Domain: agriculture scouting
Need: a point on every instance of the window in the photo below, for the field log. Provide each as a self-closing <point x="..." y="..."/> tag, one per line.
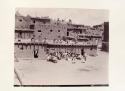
<point x="31" y="26"/>
<point x="34" y="21"/>
<point x="58" y="30"/>
<point x="80" y="31"/>
<point x="20" y="20"/>
<point x="39" y="30"/>
<point x="51" y="30"/>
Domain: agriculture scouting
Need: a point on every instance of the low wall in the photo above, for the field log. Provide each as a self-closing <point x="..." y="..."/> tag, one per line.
<point x="23" y="50"/>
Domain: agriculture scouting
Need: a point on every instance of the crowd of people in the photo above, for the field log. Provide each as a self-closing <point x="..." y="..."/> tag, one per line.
<point x="67" y="56"/>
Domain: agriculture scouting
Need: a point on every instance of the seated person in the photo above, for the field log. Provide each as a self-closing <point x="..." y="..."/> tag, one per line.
<point x="52" y="58"/>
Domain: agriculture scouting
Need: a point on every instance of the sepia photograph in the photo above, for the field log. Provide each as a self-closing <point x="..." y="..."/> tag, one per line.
<point x="61" y="47"/>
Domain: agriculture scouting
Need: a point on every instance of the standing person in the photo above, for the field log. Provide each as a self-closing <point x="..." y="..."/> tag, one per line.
<point x="73" y="58"/>
<point x="49" y="56"/>
<point x="35" y="53"/>
<point x="66" y="56"/>
<point x="83" y="54"/>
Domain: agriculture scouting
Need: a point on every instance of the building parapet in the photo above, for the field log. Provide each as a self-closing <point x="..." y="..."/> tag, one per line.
<point x="24" y="30"/>
<point x="56" y="45"/>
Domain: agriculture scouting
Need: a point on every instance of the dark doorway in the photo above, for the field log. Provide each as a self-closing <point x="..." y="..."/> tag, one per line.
<point x="82" y="52"/>
<point x="67" y="33"/>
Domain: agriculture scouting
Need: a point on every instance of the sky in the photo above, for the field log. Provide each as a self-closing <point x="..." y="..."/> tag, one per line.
<point x="78" y="16"/>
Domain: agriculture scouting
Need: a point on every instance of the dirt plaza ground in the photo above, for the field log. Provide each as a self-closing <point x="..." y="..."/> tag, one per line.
<point x="41" y="72"/>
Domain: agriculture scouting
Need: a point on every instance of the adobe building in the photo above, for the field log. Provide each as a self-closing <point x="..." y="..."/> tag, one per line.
<point x="23" y="28"/>
<point x="44" y="34"/>
<point x="46" y="28"/>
